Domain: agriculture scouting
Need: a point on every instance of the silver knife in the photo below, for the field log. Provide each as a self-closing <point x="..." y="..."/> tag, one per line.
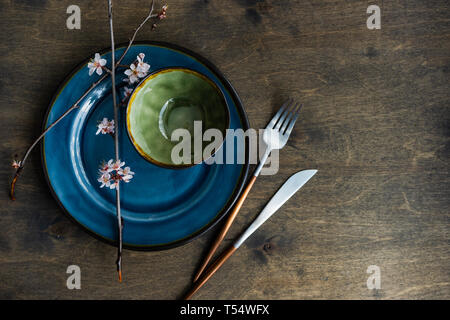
<point x="289" y="188"/>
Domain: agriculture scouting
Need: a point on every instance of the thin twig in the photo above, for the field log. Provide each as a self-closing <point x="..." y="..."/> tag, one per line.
<point x="116" y="142"/>
<point x="30" y="148"/>
<point x="106" y="69"/>
<point x="75" y="105"/>
<point x="149" y="16"/>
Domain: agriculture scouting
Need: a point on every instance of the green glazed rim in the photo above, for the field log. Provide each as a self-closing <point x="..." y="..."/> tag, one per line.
<point x="141" y="85"/>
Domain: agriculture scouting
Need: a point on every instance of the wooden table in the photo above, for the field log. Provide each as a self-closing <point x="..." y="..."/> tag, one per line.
<point x="375" y="123"/>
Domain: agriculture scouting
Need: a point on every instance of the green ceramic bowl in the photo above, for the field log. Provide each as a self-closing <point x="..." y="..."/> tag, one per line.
<point x="171" y="99"/>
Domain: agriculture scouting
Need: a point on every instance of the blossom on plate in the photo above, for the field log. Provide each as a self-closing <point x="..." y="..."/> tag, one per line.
<point x="105" y="180"/>
<point x="106" y="167"/>
<point x="137" y="70"/>
<point x="127" y="92"/>
<point x="114" y="183"/>
<point x="133" y="74"/>
<point x="111" y="173"/>
<point x="105" y="126"/>
<point x="16" y="164"/>
<point x="141" y="65"/>
<point x="96" y="65"/>
<point x="117" y="166"/>
<point x="126" y="174"/>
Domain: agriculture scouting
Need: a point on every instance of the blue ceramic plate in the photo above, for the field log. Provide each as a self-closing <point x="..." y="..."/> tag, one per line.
<point x="162" y="208"/>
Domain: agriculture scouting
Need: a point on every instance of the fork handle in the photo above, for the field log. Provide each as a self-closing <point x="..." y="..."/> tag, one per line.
<point x="226" y="227"/>
<point x="262" y="162"/>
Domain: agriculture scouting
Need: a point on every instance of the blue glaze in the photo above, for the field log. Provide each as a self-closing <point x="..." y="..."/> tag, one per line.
<point x="161" y="207"/>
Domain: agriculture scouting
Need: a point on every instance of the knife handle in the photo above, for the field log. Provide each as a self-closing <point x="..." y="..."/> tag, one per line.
<point x="210" y="271"/>
<point x="225" y="228"/>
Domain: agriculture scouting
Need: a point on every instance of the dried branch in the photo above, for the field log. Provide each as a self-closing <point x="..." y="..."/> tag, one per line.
<point x="149" y="16"/>
<point x="30" y="148"/>
<point x="116" y="142"/>
<point x="75" y="105"/>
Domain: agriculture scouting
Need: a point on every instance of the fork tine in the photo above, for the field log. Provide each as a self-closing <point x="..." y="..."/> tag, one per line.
<point x="292" y="112"/>
<point x="284" y="116"/>
<point x="272" y="122"/>
<point x="292" y="122"/>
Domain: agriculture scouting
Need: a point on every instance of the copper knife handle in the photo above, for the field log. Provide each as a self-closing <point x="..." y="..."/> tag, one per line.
<point x="225" y="228"/>
<point x="210" y="271"/>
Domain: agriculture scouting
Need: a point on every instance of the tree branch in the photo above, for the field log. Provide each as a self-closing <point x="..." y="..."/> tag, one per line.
<point x="30" y="148"/>
<point x="116" y="142"/>
<point x="149" y="16"/>
<point x="75" y="105"/>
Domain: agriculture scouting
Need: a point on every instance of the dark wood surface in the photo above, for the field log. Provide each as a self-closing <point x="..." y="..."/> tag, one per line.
<point x="375" y="123"/>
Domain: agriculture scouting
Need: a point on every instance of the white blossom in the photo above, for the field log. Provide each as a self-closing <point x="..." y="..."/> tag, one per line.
<point x="141" y="65"/>
<point x="127" y="92"/>
<point x="96" y="65"/>
<point x="111" y="173"/>
<point x="126" y="174"/>
<point x="118" y="165"/>
<point x="114" y="183"/>
<point x="105" y="127"/>
<point x="105" y="180"/>
<point x="132" y="73"/>
<point x="137" y="70"/>
<point x="106" y="167"/>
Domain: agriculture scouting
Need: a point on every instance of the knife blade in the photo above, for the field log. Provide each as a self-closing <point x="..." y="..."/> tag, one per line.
<point x="287" y="190"/>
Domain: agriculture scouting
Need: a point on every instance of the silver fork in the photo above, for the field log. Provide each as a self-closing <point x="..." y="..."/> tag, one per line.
<point x="275" y="137"/>
<point x="278" y="130"/>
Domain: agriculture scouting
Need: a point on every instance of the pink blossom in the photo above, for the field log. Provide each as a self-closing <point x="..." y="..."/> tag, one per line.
<point x="16" y="164"/>
<point x="162" y="13"/>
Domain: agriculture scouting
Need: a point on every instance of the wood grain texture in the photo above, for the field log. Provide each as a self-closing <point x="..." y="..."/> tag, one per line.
<point x="375" y="123"/>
